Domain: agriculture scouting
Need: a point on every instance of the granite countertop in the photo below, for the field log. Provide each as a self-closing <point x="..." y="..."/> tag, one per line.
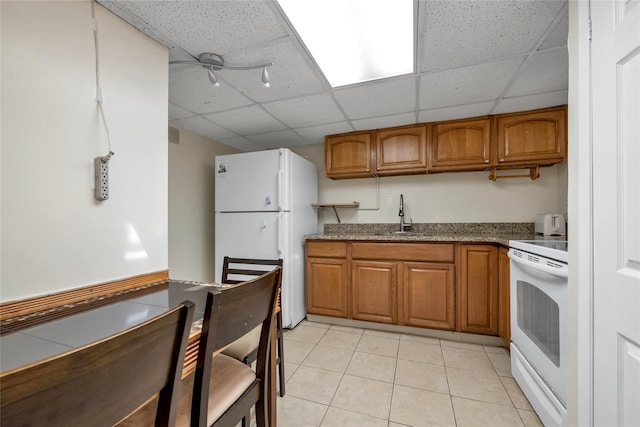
<point x="499" y="233"/>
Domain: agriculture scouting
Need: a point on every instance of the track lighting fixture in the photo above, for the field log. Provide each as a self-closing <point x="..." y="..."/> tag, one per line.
<point x="213" y="62"/>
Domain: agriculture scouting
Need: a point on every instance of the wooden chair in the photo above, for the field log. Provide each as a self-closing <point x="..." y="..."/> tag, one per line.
<point x="102" y="383"/>
<point x="224" y="388"/>
<point x="235" y="270"/>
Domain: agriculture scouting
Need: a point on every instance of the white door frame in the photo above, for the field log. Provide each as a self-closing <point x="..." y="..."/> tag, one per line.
<point x="580" y="223"/>
<point x="582" y="228"/>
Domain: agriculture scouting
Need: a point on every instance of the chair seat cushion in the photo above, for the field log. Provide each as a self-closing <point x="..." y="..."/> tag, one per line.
<point x="245" y="345"/>
<point x="229" y="379"/>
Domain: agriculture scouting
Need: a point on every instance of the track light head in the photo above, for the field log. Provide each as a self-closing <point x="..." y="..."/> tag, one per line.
<point x="265" y="78"/>
<point x="212" y="77"/>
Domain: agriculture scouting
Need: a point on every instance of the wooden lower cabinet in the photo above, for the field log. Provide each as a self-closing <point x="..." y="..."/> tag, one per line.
<point x="428" y="295"/>
<point x="327" y="278"/>
<point x="327" y="287"/>
<point x="478" y="289"/>
<point x="374" y="287"/>
<point x="504" y="303"/>
<point x="456" y="287"/>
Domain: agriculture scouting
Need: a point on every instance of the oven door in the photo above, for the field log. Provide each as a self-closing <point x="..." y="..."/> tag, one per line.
<point x="539" y="297"/>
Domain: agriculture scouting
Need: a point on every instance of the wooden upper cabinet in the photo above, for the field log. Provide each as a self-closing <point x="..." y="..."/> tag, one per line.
<point x="348" y="155"/>
<point x="460" y="145"/>
<point x="532" y="137"/>
<point x="401" y="150"/>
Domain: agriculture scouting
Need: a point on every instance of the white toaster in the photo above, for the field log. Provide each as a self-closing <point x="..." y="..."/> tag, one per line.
<point x="551" y="225"/>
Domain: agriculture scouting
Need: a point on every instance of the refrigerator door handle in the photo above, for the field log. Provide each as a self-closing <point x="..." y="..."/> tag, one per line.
<point x="280" y="233"/>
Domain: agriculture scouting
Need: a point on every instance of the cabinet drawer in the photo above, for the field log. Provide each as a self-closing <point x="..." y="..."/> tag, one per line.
<point x="438" y="252"/>
<point x="327" y="249"/>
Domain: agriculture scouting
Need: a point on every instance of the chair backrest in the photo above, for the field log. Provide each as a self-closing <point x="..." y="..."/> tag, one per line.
<point x="102" y="383"/>
<point x="238" y="270"/>
<point x="229" y="315"/>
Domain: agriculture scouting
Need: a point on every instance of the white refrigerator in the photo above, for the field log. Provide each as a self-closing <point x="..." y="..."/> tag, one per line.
<point x="263" y="210"/>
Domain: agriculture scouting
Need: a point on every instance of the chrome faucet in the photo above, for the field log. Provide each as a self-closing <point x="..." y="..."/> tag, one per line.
<point x="403" y="226"/>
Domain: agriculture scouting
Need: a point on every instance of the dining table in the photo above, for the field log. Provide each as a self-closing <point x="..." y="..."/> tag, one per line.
<point x="37" y="340"/>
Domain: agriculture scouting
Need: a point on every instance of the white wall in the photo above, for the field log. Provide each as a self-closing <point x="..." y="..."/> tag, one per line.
<point x="55" y="235"/>
<point x="445" y="197"/>
<point x="191" y="206"/>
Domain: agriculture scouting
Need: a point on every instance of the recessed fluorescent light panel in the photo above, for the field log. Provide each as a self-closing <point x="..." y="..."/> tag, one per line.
<point x="354" y="41"/>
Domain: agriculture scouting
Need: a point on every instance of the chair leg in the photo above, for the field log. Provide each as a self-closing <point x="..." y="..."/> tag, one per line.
<point x="280" y="359"/>
<point x="246" y="421"/>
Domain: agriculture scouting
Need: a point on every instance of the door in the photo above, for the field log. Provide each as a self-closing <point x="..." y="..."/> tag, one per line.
<point x="374" y="286"/>
<point x="616" y="211"/>
<point x="327" y="287"/>
<point x="478" y="289"/>
<point x="246" y="235"/>
<point x="428" y="295"/>
<point x="248" y="182"/>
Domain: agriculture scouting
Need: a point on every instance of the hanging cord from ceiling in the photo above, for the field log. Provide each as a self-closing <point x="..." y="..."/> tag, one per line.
<point x="99" y="98"/>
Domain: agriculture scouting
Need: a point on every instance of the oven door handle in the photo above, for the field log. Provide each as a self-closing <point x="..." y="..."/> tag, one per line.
<point x="541" y="267"/>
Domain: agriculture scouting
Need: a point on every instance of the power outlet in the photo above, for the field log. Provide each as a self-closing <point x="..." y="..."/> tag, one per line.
<point x="101" y="167"/>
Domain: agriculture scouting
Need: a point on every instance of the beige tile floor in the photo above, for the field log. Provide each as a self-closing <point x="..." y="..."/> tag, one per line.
<point x="340" y="376"/>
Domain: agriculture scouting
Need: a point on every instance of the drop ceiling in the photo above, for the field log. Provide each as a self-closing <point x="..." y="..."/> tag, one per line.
<point x="473" y="58"/>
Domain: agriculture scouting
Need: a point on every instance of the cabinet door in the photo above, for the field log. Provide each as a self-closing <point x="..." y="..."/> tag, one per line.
<point x="374" y="287"/>
<point x="504" y="312"/>
<point x="401" y="150"/>
<point x="428" y="295"/>
<point x="348" y="155"/>
<point x="538" y="137"/>
<point x="460" y="145"/>
<point x="478" y="289"/>
<point x="327" y="286"/>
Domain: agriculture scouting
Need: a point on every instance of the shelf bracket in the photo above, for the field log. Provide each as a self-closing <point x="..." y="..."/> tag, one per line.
<point x="336" y="205"/>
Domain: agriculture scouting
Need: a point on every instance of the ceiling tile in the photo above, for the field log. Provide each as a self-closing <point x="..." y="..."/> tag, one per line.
<point x="306" y="111"/>
<point x="388" y="97"/>
<point x="316" y="134"/>
<point x="176" y="112"/>
<point x="290" y="75"/>
<point x="204" y="127"/>
<point x="242" y="143"/>
<point x="457" y="112"/>
<point x="457" y="33"/>
<point x="284" y="138"/>
<point x="468" y="85"/>
<point x="246" y="121"/>
<point x="190" y="88"/>
<point x="531" y="102"/>
<point x="210" y="26"/>
<point x="558" y="35"/>
<point x="385" y="121"/>
<point x="543" y="72"/>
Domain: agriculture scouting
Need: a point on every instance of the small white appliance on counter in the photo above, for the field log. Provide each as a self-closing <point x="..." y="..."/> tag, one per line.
<point x="539" y="334"/>
<point x="263" y="210"/>
<point x="550" y="225"/>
